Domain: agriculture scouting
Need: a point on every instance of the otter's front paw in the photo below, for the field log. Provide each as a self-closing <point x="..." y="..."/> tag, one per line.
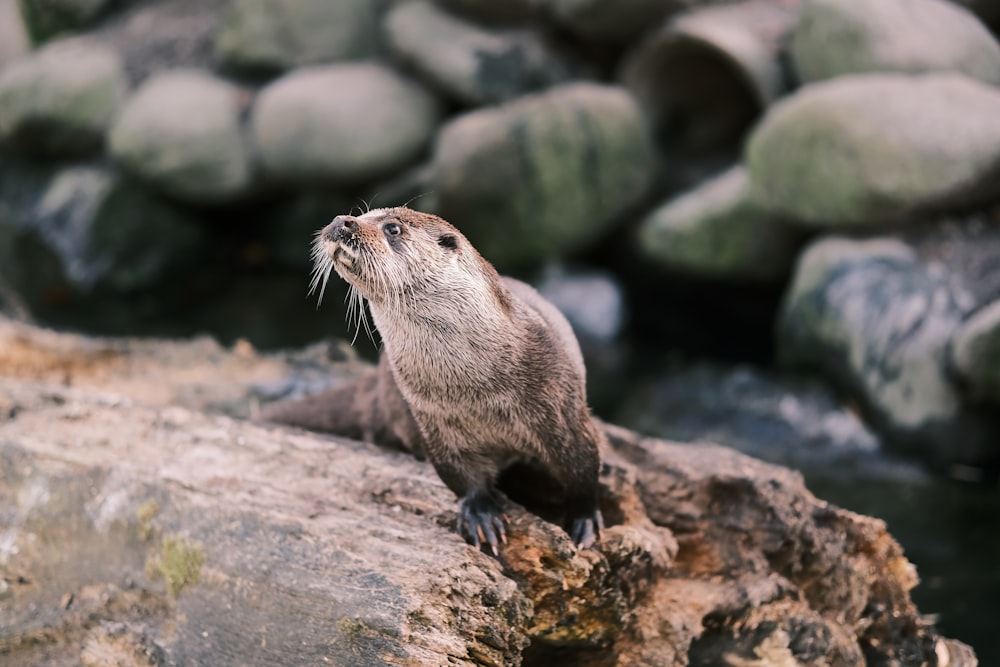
<point x="586" y="530"/>
<point x="480" y="521"/>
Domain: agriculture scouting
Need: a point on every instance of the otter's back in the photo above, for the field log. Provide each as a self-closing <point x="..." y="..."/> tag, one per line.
<point x="530" y="297"/>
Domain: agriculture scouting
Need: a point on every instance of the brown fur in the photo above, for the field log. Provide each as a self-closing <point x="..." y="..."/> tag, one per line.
<point x="477" y="372"/>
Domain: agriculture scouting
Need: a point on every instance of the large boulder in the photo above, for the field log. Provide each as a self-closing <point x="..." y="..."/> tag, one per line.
<point x="181" y="132"/>
<point x="60" y="100"/>
<point x="872" y="316"/>
<point x="341" y="123"/>
<point x="108" y="232"/>
<point x="163" y="34"/>
<point x="834" y="38"/>
<point x="867" y="149"/>
<point x="975" y="352"/>
<point x="716" y="231"/>
<point x="545" y="174"/>
<point x="282" y="34"/>
<point x="470" y="64"/>
<point x="139" y="525"/>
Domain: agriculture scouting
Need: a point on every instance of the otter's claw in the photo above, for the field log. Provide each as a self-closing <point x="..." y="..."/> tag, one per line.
<point x="586" y="530"/>
<point x="481" y="522"/>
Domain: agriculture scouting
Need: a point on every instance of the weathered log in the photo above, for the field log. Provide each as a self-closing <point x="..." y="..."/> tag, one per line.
<point x="137" y="532"/>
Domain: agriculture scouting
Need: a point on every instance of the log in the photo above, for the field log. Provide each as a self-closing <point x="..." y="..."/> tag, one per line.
<point x="148" y="528"/>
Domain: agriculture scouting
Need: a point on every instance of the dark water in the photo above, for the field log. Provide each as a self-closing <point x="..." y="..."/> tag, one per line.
<point x="951" y="531"/>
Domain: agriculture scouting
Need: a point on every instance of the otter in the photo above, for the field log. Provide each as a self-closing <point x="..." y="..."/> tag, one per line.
<point x="477" y="372"/>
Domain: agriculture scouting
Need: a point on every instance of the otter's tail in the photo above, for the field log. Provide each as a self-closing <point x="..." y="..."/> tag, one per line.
<point x="340" y="411"/>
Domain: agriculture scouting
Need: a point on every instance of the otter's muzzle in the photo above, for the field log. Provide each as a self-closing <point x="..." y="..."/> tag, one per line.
<point x="342" y="227"/>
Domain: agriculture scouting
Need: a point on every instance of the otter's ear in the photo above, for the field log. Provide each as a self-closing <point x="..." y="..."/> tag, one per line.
<point x="449" y="241"/>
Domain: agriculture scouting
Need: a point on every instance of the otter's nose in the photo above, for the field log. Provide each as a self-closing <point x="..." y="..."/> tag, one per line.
<point x="341" y="227"/>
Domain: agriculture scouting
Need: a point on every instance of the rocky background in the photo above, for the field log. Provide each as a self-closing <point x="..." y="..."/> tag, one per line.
<point x="810" y="187"/>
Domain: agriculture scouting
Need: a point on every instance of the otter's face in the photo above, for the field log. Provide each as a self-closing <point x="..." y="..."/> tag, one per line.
<point x="386" y="253"/>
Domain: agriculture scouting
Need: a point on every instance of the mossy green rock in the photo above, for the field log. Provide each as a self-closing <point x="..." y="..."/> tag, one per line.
<point x="976" y="352"/>
<point x="834" y="37"/>
<point x="716" y="231"/>
<point x="281" y="34"/>
<point x="341" y="123"/>
<point x="472" y="65"/>
<point x="867" y="149"/>
<point x="182" y="133"/>
<point x="871" y="315"/>
<point x="47" y="18"/>
<point x="60" y="100"/>
<point x="543" y="175"/>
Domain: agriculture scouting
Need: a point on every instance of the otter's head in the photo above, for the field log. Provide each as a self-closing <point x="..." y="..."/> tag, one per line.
<point x="396" y="257"/>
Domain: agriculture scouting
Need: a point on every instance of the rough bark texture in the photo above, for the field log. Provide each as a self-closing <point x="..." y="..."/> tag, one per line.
<point x="138" y="526"/>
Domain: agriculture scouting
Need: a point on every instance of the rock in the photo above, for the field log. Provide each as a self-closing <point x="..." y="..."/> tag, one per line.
<point x="716" y="232"/>
<point x="277" y="571"/>
<point x="48" y="18"/>
<point x="88" y="217"/>
<point x="14" y="40"/>
<point x="163" y="35"/>
<point x="705" y="75"/>
<point x="870" y="315"/>
<point x="60" y="100"/>
<point x="274" y="35"/>
<point x="975" y="352"/>
<point x="492" y="12"/>
<point x="782" y="418"/>
<point x="471" y="65"/>
<point x="543" y="175"/>
<point x="834" y="38"/>
<point x="181" y="133"/>
<point x="608" y="22"/>
<point x="830" y="154"/>
<point x="121" y="645"/>
<point x="592" y="301"/>
<point x="342" y="123"/>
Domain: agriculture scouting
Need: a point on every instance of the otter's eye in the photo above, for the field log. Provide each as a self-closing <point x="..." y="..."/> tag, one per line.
<point x="391" y="229"/>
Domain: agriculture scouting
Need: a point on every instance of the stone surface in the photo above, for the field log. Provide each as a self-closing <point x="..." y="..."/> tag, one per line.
<point x="163" y="34"/>
<point x="492" y="12"/>
<point x="181" y="132"/>
<point x="872" y="316"/>
<point x="783" y="418"/>
<point x="975" y="352"/>
<point x="288" y="548"/>
<point x="282" y="34"/>
<point x="834" y="38"/>
<point x="61" y="99"/>
<point x="862" y="150"/>
<point x="543" y="175"/>
<point x="705" y="75"/>
<point x="716" y="231"/>
<point x="107" y="231"/>
<point x="48" y="18"/>
<point x="342" y="123"/>
<point x="470" y="64"/>
<point x="14" y="40"/>
<point x="602" y="22"/>
<point x="592" y="301"/>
